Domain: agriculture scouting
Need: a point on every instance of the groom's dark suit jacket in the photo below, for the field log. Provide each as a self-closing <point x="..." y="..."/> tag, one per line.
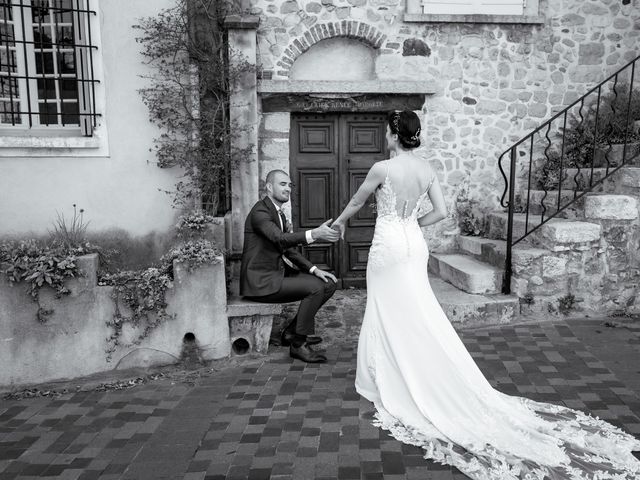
<point x="262" y="267"/>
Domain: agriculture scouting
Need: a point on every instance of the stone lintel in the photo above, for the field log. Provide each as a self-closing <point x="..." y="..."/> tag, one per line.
<point x="281" y="102"/>
<point x="242" y="22"/>
<point x="475" y="18"/>
<point x="426" y="87"/>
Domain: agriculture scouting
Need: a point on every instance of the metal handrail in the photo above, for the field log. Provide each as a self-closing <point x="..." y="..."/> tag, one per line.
<point x="583" y="126"/>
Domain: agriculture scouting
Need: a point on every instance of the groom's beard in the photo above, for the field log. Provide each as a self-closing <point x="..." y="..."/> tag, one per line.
<point x="282" y="198"/>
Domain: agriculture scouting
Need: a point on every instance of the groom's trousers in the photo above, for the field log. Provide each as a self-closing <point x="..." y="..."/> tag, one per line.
<point x="313" y="293"/>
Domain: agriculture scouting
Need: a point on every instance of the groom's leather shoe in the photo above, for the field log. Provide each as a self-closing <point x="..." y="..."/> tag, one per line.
<point x="287" y="338"/>
<point x="305" y="354"/>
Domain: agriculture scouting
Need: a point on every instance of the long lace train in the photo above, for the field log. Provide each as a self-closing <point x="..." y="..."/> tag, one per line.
<point x="429" y="392"/>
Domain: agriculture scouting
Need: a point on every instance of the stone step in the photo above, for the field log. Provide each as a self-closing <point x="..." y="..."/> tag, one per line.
<point x="578" y="178"/>
<point x="466" y="273"/>
<point x="471" y="310"/>
<point x="538" y="198"/>
<point x="555" y="235"/>
<point x="494" y="252"/>
<point x="626" y="181"/>
<point x="559" y="234"/>
<point x="610" y="207"/>
<point x="481" y="248"/>
<point x="497" y="224"/>
<point x="613" y="154"/>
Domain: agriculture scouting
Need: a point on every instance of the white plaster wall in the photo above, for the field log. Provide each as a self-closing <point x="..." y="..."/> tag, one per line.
<point x="117" y="184"/>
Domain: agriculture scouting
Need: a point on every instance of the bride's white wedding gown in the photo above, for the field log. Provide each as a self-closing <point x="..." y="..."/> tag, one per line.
<point x="429" y="392"/>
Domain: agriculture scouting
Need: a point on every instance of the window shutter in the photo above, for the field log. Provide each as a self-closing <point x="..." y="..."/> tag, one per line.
<point x="473" y="7"/>
<point x="501" y="7"/>
<point x="451" y="7"/>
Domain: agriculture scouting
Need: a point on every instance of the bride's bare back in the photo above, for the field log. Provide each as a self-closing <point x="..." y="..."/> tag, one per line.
<point x="410" y="178"/>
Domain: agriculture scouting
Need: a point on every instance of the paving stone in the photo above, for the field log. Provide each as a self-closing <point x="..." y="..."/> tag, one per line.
<point x="277" y="418"/>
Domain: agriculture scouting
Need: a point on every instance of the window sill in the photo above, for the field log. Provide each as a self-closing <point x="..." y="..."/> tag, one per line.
<point x="60" y="145"/>
<point x="512" y="19"/>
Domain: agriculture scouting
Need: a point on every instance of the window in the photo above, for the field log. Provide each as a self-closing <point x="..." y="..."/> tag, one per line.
<point x="473" y="7"/>
<point x="46" y="66"/>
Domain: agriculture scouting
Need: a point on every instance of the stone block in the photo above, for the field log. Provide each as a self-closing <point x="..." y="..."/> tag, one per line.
<point x="611" y="207"/>
<point x="630" y="177"/>
<point x="525" y="261"/>
<point x="250" y="325"/>
<point x="198" y="300"/>
<point x="563" y="232"/>
<point x="277" y="122"/>
<point x="553" y="266"/>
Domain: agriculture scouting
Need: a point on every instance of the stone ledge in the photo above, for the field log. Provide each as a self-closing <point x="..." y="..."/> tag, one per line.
<point x="240" y="307"/>
<point x="349" y="87"/>
<point x="611" y="207"/>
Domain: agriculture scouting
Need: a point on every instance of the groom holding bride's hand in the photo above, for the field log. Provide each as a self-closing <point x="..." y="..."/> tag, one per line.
<point x="273" y="271"/>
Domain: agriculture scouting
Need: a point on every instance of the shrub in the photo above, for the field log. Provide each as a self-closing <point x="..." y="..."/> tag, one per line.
<point x="612" y="127"/>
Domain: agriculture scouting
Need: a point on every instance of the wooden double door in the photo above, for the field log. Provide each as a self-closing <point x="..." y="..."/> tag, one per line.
<point x="330" y="155"/>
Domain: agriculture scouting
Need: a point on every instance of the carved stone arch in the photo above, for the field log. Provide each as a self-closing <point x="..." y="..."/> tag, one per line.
<point x="346" y="28"/>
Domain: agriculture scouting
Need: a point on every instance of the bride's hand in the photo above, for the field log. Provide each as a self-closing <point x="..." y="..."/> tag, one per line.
<point x="340" y="227"/>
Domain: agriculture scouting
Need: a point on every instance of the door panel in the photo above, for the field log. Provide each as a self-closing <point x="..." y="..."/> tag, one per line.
<point x="330" y="155"/>
<point x="362" y="144"/>
<point x="313" y="157"/>
<point x="315" y="205"/>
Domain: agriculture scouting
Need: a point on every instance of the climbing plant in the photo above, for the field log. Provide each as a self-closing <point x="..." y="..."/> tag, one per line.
<point x="140" y="296"/>
<point x="188" y="98"/>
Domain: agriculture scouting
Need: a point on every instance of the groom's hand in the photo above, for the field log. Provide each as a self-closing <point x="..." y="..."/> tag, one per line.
<point x="339" y="227"/>
<point x="325" y="232"/>
<point x="325" y="276"/>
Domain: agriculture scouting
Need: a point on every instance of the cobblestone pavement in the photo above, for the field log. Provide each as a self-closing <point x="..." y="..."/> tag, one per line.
<point x="272" y="417"/>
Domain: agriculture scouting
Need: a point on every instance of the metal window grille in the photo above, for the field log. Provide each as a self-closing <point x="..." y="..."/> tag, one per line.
<point x="47" y="65"/>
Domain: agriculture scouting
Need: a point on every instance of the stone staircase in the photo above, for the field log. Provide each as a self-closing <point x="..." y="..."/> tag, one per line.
<point x="582" y="262"/>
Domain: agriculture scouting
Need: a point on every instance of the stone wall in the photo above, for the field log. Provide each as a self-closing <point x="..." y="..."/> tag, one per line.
<point x="72" y="341"/>
<point x="494" y="82"/>
<point x="587" y="265"/>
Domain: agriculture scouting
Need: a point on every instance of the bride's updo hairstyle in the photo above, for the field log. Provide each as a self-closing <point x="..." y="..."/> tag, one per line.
<point x="406" y="125"/>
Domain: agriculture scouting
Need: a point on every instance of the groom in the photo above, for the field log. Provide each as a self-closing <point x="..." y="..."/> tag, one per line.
<point x="273" y="271"/>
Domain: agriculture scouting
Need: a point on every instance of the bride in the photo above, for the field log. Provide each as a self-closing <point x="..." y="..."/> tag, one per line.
<point x="425" y="386"/>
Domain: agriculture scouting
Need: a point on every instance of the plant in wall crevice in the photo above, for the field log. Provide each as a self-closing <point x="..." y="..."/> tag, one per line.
<point x="470" y="219"/>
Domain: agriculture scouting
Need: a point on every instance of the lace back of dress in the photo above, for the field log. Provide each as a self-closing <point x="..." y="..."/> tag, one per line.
<point x="387" y="201"/>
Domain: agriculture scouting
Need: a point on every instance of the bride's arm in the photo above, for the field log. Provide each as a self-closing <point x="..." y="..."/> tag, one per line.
<point x="375" y="177"/>
<point x="439" y="211"/>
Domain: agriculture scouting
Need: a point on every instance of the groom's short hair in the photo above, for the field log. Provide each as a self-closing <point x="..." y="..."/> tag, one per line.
<point x="272" y="174"/>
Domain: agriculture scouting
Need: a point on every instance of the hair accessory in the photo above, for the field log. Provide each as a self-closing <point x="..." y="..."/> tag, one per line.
<point x="416" y="135"/>
<point x="394" y="121"/>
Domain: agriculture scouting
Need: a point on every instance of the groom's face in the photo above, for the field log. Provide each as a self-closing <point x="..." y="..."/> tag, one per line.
<point x="280" y="188"/>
